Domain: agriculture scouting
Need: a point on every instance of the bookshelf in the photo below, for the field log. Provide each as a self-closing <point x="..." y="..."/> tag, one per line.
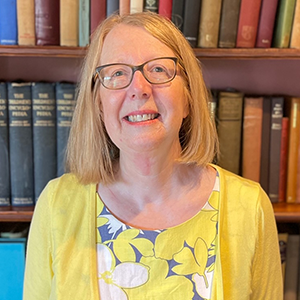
<point x="250" y="70"/>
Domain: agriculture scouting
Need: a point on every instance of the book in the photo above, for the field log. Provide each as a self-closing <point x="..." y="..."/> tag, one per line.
<point x="152" y="5"/>
<point x="112" y="7"/>
<point x="283" y="158"/>
<point x="266" y="23"/>
<point x="252" y="132"/>
<point x="165" y="8"/>
<point x="178" y="13"/>
<point x="209" y="23"/>
<point x="293" y="111"/>
<point x="292" y="267"/>
<point x="136" y="6"/>
<point x="65" y="103"/>
<point x="248" y="23"/>
<point x="20" y="144"/>
<point x="295" y="34"/>
<point x="265" y="144"/>
<point x="283" y="25"/>
<point x="44" y="134"/>
<point x="191" y="21"/>
<point x="124" y="7"/>
<point x="229" y="23"/>
<point x="229" y="126"/>
<point x="69" y="23"/>
<point x="4" y="148"/>
<point x="84" y="23"/>
<point x="8" y="22"/>
<point x="282" y="239"/>
<point x="26" y="22"/>
<point x="97" y="13"/>
<point x="275" y="147"/>
<point x="47" y="22"/>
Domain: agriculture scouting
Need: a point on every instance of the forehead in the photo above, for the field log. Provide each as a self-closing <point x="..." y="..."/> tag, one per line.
<point x="132" y="44"/>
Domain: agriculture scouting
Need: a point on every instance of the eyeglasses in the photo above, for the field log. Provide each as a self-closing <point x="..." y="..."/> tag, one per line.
<point x="119" y="76"/>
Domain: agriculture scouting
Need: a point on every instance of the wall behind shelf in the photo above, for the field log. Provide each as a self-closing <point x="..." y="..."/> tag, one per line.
<point x="254" y="76"/>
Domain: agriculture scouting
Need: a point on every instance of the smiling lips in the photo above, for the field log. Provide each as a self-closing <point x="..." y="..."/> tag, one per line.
<point x="141" y="118"/>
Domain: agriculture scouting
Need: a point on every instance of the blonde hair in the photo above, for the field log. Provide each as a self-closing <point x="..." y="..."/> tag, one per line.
<point x="91" y="153"/>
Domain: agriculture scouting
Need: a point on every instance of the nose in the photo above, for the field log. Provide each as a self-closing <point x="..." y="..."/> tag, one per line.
<point x="139" y="87"/>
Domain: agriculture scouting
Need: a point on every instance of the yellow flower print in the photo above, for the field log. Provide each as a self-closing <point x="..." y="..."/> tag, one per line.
<point x="113" y="279"/>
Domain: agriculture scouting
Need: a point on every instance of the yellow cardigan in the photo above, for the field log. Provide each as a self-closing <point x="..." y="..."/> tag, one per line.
<point x="61" y="261"/>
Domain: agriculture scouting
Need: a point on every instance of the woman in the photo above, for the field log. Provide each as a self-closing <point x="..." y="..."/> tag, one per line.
<point x="143" y="214"/>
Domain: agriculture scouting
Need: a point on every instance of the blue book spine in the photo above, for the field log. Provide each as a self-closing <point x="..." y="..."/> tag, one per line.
<point x="20" y="142"/>
<point x="84" y="23"/>
<point x="44" y="134"/>
<point x="112" y="6"/>
<point x="65" y="103"/>
<point x="8" y="22"/>
<point x="4" y="148"/>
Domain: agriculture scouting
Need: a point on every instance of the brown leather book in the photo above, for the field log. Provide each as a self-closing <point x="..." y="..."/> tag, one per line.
<point x="26" y="22"/>
<point x="275" y="147"/>
<point x="295" y="35"/>
<point x="266" y="23"/>
<point x="229" y="125"/>
<point x="98" y="13"/>
<point x="124" y="7"/>
<point x="252" y="130"/>
<point x="47" y="22"/>
<point x="229" y="23"/>
<point x="248" y="23"/>
<point x="69" y="23"/>
<point x="293" y="109"/>
<point x="209" y="23"/>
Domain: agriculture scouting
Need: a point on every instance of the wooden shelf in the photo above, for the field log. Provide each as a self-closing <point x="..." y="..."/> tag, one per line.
<point x="15" y="216"/>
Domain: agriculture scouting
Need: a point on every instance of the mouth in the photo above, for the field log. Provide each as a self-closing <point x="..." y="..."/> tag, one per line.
<point x="141" y="118"/>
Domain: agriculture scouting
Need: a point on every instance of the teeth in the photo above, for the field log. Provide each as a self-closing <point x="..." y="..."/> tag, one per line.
<point x="139" y="118"/>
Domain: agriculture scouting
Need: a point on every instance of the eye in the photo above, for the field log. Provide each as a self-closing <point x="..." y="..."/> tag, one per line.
<point x="158" y="69"/>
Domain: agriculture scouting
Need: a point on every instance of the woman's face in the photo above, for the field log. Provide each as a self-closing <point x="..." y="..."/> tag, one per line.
<point x="142" y="116"/>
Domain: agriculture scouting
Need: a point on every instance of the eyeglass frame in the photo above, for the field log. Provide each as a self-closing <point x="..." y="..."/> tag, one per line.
<point x="134" y="69"/>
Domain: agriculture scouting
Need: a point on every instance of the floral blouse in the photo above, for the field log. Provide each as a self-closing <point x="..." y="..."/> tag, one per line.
<point x="172" y="263"/>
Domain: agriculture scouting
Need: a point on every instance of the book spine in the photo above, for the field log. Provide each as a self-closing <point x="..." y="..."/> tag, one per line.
<point x="209" y="23"/>
<point x="47" y="22"/>
<point x="252" y="130"/>
<point x="229" y="125"/>
<point x="165" y="8"/>
<point x="97" y="13"/>
<point x="112" y="7"/>
<point x="266" y="23"/>
<point x="84" y="23"/>
<point x="295" y="35"/>
<point x="152" y="5"/>
<point x="44" y="134"/>
<point x="8" y="22"/>
<point x="283" y="158"/>
<point x="178" y="13"/>
<point x="65" y="103"/>
<point x="265" y="145"/>
<point x="191" y="21"/>
<point x="4" y="148"/>
<point x="124" y="7"/>
<point x="69" y="23"/>
<point x="283" y="25"/>
<point x="20" y="141"/>
<point x="229" y="23"/>
<point x="248" y="23"/>
<point x="136" y="6"/>
<point x="275" y="147"/>
<point x="26" y="22"/>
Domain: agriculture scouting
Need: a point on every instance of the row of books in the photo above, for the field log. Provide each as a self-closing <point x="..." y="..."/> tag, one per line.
<point x="259" y="140"/>
<point x="205" y="23"/>
<point x="35" y="119"/>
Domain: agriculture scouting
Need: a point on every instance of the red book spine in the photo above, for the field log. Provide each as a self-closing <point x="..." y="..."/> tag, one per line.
<point x="266" y="23"/>
<point x="98" y="13"/>
<point x="248" y="23"/>
<point x="283" y="159"/>
<point x="165" y="8"/>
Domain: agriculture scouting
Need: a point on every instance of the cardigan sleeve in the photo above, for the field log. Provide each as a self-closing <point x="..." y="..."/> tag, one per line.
<point x="38" y="271"/>
<point x="267" y="282"/>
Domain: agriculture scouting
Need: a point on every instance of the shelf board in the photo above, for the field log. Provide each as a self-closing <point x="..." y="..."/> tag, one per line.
<point x="16" y="216"/>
